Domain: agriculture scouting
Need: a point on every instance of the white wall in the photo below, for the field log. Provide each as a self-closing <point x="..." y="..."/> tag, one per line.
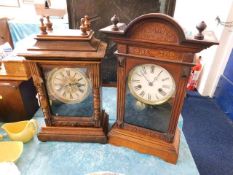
<point x="221" y="57"/>
<point x="26" y="11"/>
<point x="189" y="13"/>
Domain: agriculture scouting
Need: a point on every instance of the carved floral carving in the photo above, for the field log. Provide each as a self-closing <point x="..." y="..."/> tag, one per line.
<point x="159" y="53"/>
<point x="154" y="32"/>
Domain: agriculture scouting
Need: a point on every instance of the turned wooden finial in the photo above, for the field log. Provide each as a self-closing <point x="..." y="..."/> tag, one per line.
<point x="115" y="20"/>
<point x="49" y="24"/>
<point x="42" y="26"/>
<point x="87" y="22"/>
<point x="200" y="27"/>
<point x="83" y="28"/>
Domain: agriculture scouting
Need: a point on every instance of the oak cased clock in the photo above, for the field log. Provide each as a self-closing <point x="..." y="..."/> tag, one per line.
<point x="154" y="60"/>
<point x="65" y="67"/>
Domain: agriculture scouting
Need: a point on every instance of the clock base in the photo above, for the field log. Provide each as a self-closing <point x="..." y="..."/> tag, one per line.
<point x="146" y="144"/>
<point x="76" y="134"/>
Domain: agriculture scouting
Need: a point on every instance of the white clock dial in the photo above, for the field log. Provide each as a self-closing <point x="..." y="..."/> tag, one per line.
<point x="68" y="85"/>
<point x="151" y="84"/>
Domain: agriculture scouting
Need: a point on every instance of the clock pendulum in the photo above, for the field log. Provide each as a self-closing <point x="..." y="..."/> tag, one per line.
<point x="154" y="60"/>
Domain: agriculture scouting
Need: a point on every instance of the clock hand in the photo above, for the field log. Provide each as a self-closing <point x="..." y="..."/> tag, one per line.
<point x="145" y="77"/>
<point x="156" y="77"/>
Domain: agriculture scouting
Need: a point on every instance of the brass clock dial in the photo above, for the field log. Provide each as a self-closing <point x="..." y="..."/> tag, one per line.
<point x="68" y="85"/>
<point x="151" y="84"/>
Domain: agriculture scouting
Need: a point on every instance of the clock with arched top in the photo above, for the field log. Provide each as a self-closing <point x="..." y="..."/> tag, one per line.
<point x="154" y="60"/>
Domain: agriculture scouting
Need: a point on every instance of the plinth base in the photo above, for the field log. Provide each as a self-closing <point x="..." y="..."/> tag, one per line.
<point x="146" y="144"/>
<point x="75" y="134"/>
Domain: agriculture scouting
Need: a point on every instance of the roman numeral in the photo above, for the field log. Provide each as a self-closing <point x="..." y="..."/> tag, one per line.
<point x="156" y="96"/>
<point x="164" y="79"/>
<point x="58" y="79"/>
<point x="80" y="85"/>
<point x="149" y="97"/>
<point x="138" y="74"/>
<point x="59" y="88"/>
<point x="68" y="72"/>
<point x="62" y="74"/>
<point x="64" y="94"/>
<point x="80" y="79"/>
<point x="152" y="70"/>
<point x="144" y="69"/>
<point x="81" y="90"/>
<point x="142" y="93"/>
<point x="162" y="92"/>
<point x="138" y="87"/>
<point x="71" y="96"/>
<point x="166" y="86"/>
<point x="137" y="81"/>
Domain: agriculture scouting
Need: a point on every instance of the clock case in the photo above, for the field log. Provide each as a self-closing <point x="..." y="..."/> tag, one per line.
<point x="155" y="39"/>
<point x="69" y="48"/>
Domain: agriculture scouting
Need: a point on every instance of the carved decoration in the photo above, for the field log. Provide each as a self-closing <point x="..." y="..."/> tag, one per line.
<point x="185" y="72"/>
<point x="155" y="31"/>
<point x="121" y="61"/>
<point x="39" y="84"/>
<point x="146" y="132"/>
<point x="159" y="53"/>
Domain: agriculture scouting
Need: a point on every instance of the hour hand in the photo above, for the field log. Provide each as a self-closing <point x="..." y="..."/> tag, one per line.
<point x="145" y="77"/>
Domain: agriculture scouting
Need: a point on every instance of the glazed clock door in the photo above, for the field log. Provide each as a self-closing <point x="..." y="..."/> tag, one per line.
<point x="69" y="91"/>
<point x="150" y="89"/>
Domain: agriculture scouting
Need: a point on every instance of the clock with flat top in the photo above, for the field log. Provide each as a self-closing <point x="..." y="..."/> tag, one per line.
<point x="68" y="85"/>
<point x="65" y="66"/>
<point x="151" y="84"/>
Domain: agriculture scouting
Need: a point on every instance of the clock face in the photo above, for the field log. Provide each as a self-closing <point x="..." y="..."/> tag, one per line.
<point x="68" y="85"/>
<point x="151" y="84"/>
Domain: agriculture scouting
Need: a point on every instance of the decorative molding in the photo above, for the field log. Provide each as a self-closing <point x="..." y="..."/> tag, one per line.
<point x="160" y="53"/>
<point x="121" y="61"/>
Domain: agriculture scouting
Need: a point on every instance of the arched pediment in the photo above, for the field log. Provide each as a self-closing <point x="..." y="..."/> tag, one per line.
<point x="155" y="27"/>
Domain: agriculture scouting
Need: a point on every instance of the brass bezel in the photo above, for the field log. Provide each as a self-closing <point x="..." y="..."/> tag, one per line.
<point x="53" y="94"/>
<point x="146" y="101"/>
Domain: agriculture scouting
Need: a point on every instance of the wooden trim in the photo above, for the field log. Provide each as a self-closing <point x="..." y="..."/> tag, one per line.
<point x="146" y="144"/>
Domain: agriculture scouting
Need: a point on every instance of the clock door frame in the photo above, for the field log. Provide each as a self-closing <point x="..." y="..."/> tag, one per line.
<point x="180" y="79"/>
<point x="67" y="121"/>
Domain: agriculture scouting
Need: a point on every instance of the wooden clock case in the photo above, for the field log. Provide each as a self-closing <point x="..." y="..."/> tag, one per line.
<point x="69" y="48"/>
<point x="153" y="38"/>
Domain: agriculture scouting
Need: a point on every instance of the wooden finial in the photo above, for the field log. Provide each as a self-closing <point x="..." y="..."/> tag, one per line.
<point x="46" y="4"/>
<point x="115" y="20"/>
<point x="49" y="24"/>
<point x="83" y="28"/>
<point x="42" y="26"/>
<point x="200" y="27"/>
<point x="87" y="22"/>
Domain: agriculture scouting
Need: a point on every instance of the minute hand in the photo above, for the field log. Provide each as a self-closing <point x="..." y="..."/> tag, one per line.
<point x="156" y="78"/>
<point x="145" y="77"/>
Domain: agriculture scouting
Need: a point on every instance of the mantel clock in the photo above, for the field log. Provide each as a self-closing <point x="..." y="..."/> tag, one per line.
<point x="154" y="61"/>
<point x="65" y="66"/>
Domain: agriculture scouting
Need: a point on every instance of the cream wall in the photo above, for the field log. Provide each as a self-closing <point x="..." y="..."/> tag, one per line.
<point x="26" y="11"/>
<point x="189" y="13"/>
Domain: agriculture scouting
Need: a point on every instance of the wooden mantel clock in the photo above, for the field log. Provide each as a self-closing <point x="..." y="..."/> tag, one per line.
<point x="154" y="61"/>
<point x="65" y="66"/>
